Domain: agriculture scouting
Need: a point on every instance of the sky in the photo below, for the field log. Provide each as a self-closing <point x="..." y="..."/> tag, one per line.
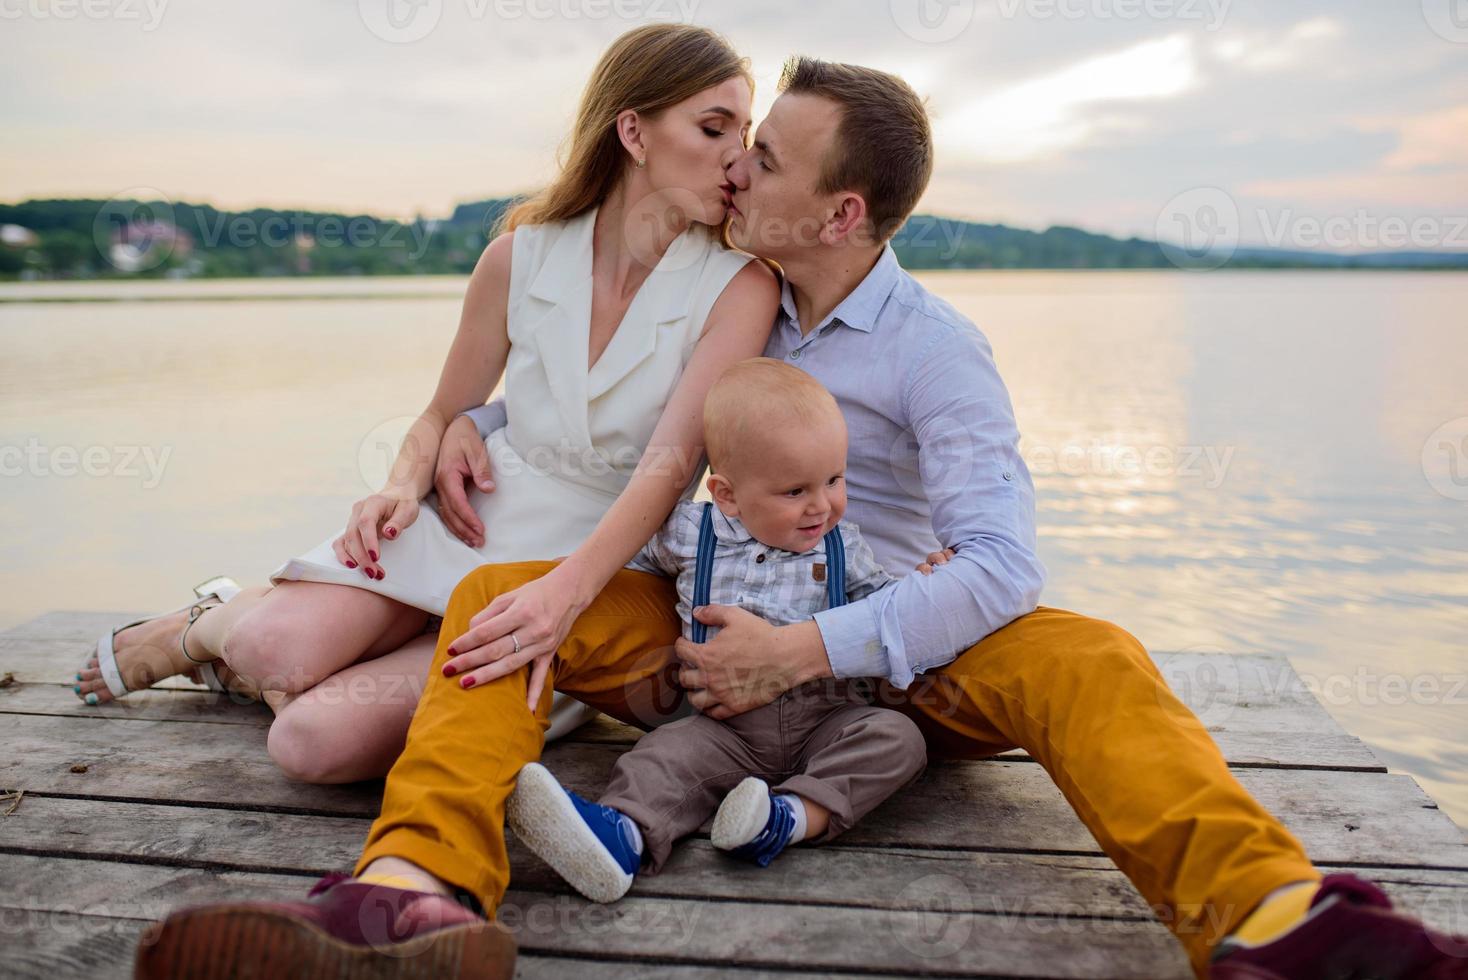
<point x="1340" y="125"/>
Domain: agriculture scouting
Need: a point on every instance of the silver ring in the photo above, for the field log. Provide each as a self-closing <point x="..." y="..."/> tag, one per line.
<point x="516" y="642"/>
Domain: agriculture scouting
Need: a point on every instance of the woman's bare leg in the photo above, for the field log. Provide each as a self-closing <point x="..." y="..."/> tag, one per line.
<point x="354" y="724"/>
<point x="288" y="638"/>
<point x="301" y="633"/>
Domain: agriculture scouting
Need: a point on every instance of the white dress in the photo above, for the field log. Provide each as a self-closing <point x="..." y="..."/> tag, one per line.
<point x="574" y="436"/>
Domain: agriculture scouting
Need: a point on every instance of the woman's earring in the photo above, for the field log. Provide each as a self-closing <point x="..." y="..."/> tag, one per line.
<point x="641" y="162"/>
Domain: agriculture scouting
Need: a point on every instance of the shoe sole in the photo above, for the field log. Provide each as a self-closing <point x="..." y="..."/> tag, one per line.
<point x="546" y="821"/>
<point x="246" y="942"/>
<point x="1378" y="943"/>
<point x="742" y="815"/>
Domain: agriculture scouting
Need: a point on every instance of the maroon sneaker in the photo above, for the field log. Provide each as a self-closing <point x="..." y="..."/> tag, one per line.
<point x="344" y="929"/>
<point x="1349" y="932"/>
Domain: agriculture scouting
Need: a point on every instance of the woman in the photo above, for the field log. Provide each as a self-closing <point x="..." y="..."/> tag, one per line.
<point x="609" y="306"/>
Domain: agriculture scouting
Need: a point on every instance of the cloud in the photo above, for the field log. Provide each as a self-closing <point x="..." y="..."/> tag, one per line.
<point x="1045" y="115"/>
<point x="1262" y="52"/>
<point x="1426" y="171"/>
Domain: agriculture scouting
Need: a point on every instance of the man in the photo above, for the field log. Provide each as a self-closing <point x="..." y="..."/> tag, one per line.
<point x="839" y="163"/>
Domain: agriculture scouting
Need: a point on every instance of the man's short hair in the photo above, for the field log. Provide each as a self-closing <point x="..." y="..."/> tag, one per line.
<point x="883" y="148"/>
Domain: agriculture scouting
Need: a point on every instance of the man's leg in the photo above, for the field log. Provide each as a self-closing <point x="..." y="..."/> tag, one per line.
<point x="443" y="808"/>
<point x="1085" y="700"/>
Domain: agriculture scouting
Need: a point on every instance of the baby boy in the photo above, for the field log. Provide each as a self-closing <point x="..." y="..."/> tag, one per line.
<point x="772" y="542"/>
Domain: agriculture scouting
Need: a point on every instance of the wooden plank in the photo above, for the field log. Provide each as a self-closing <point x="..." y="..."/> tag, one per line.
<point x="1251" y="749"/>
<point x="240" y="840"/>
<point x="45" y="946"/>
<point x="705" y="932"/>
<point x="976" y="881"/>
<point x="205" y="707"/>
<point x="163" y="760"/>
<point x="981" y="805"/>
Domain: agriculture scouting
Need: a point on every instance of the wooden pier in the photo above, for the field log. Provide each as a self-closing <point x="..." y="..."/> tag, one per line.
<point x="980" y="869"/>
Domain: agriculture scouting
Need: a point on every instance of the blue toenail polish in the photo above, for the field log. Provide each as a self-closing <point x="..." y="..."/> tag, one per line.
<point x="91" y="699"/>
<point x="77" y="689"/>
<point x="78" y="676"/>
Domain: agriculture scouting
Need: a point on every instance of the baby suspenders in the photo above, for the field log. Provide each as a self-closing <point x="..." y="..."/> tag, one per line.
<point x="703" y="569"/>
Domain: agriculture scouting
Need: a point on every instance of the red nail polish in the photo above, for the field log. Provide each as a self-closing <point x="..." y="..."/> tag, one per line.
<point x="392" y="532"/>
<point x="453" y="652"/>
<point x="449" y="670"/>
<point x="381" y="575"/>
<point x="468" y="682"/>
<point x="372" y="554"/>
<point x="351" y="564"/>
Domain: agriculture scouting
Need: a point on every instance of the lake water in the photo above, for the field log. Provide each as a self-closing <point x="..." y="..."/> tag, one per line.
<point x="1248" y="462"/>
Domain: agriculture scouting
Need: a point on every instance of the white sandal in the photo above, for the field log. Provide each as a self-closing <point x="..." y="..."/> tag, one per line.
<point x="220" y="587"/>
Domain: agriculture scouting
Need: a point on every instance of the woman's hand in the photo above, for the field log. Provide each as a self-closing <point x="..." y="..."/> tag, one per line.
<point x="527" y="624"/>
<point x="936" y="558"/>
<point x="462" y="461"/>
<point x="378" y="514"/>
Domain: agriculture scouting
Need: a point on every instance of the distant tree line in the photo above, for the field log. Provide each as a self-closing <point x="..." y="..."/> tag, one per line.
<point x="94" y="239"/>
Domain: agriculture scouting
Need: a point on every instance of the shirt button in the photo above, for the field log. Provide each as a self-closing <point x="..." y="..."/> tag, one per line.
<point x="759" y="559"/>
<point x="1008" y="475"/>
<point x="795" y="355"/>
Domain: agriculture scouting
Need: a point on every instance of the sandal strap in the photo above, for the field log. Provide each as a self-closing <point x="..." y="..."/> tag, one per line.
<point x="195" y="611"/>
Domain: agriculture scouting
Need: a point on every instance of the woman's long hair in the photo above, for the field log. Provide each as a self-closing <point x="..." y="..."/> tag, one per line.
<point x="647" y="70"/>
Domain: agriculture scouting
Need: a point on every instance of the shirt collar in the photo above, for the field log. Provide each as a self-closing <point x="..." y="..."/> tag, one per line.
<point x="861" y="306"/>
<point x="730" y="529"/>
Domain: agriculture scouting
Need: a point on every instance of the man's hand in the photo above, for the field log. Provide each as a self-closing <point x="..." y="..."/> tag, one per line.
<point x="462" y="462"/>
<point x="936" y="558"/>
<point x="749" y="663"/>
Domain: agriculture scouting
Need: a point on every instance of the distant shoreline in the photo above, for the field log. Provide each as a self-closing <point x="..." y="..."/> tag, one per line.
<point x="128" y="240"/>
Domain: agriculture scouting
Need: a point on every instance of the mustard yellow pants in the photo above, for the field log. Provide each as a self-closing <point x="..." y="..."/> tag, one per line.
<point x="1080" y="695"/>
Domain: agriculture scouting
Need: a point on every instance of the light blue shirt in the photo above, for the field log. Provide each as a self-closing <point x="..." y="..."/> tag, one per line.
<point x="933" y="462"/>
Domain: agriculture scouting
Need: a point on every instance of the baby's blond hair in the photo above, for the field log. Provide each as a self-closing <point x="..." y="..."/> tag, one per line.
<point x="752" y="402"/>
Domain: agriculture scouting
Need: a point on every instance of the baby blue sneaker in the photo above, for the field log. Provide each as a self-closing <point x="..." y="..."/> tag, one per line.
<point x="596" y="848"/>
<point x="752" y="824"/>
